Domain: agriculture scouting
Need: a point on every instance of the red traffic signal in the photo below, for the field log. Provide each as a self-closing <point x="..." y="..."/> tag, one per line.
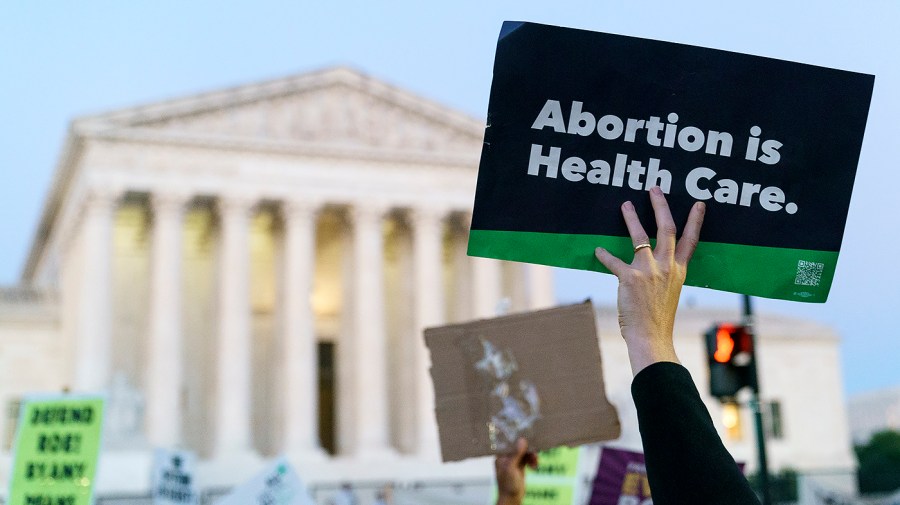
<point x="730" y="354"/>
<point x="724" y="344"/>
<point x="731" y="344"/>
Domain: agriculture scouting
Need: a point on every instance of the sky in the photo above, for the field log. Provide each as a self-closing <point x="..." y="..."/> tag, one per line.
<point x="61" y="60"/>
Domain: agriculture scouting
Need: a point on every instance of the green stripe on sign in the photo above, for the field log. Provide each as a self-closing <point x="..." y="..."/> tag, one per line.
<point x="771" y="272"/>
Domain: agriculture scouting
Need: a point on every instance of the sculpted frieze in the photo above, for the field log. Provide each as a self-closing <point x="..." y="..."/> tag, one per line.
<point x="334" y="115"/>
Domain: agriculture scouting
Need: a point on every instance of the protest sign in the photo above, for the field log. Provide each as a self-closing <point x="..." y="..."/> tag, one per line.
<point x="580" y="122"/>
<point x="173" y="478"/>
<point x="536" y="375"/>
<point x="276" y="485"/>
<point x="554" y="481"/>
<point x="559" y="462"/>
<point x="621" y="479"/>
<point x="57" y="446"/>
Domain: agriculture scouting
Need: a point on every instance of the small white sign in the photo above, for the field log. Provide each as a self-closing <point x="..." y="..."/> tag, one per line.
<point x="173" y="478"/>
<point x="277" y="485"/>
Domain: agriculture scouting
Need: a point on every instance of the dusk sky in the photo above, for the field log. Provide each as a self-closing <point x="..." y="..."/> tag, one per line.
<point x="61" y="60"/>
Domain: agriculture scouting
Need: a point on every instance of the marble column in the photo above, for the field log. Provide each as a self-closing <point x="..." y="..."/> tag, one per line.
<point x="428" y="261"/>
<point x="540" y="287"/>
<point x="299" y="351"/>
<point x="369" y="340"/>
<point x="461" y="304"/>
<point x="94" y="328"/>
<point x="486" y="281"/>
<point x="233" y="373"/>
<point x="486" y="286"/>
<point x="164" y="358"/>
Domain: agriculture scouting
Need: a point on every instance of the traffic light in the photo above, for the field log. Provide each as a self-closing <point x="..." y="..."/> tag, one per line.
<point x="731" y="363"/>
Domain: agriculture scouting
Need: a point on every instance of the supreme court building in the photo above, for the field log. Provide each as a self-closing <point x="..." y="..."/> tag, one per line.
<point x="247" y="273"/>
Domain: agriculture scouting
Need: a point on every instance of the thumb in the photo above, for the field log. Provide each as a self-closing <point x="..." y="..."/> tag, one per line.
<point x="521" y="450"/>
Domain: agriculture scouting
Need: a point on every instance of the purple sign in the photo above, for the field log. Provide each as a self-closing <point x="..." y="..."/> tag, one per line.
<point x="621" y="479"/>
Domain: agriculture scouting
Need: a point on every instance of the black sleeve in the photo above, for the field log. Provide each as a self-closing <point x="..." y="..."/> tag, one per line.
<point x="686" y="461"/>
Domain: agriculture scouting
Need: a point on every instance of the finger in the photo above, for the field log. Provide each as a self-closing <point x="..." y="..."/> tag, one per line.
<point x="613" y="264"/>
<point x="665" y="225"/>
<point x="684" y="250"/>
<point x="633" y="223"/>
<point x="531" y="459"/>
<point x="521" y="448"/>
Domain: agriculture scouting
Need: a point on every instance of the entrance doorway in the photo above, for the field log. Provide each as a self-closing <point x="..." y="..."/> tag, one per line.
<point x="327" y="426"/>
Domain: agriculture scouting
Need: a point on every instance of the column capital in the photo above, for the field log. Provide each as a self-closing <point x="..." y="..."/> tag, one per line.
<point x="236" y="204"/>
<point x="427" y="214"/>
<point x="301" y="209"/>
<point x="369" y="212"/>
<point x="101" y="197"/>
<point x="172" y="201"/>
<point x="465" y="219"/>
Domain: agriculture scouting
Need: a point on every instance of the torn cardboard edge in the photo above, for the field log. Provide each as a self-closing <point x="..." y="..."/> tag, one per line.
<point x="536" y="374"/>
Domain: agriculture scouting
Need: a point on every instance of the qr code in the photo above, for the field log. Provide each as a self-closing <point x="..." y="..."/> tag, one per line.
<point x="809" y="273"/>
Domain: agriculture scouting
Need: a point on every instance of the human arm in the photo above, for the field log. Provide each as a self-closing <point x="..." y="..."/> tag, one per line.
<point x="685" y="458"/>
<point x="510" y="471"/>
<point x="649" y="288"/>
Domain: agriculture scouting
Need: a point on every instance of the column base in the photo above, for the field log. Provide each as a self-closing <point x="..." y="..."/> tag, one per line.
<point x="310" y="454"/>
<point x="231" y="468"/>
<point x="429" y="454"/>
<point x="377" y="454"/>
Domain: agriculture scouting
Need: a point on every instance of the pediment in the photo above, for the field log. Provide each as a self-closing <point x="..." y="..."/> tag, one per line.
<point x="337" y="107"/>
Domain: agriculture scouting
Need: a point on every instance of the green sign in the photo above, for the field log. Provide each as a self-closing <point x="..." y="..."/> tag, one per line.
<point x="557" y="462"/>
<point x="550" y="493"/>
<point x="57" y="445"/>
<point x="554" y="481"/>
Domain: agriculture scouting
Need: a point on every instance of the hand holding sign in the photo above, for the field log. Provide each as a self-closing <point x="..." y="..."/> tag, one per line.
<point x="510" y="469"/>
<point x="649" y="288"/>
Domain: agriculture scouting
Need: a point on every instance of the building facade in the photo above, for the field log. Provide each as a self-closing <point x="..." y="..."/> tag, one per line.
<point x="873" y="412"/>
<point x="247" y="273"/>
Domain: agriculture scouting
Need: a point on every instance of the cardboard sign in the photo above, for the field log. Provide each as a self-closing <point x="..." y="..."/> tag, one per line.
<point x="535" y="375"/>
<point x="173" y="478"/>
<point x="57" y="445"/>
<point x="621" y="479"/>
<point x="277" y="485"/>
<point x="580" y="122"/>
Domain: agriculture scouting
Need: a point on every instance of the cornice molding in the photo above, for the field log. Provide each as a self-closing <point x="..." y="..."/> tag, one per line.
<point x="267" y="146"/>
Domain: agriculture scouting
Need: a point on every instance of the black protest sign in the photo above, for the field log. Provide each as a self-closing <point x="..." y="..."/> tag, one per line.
<point x="580" y="122"/>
